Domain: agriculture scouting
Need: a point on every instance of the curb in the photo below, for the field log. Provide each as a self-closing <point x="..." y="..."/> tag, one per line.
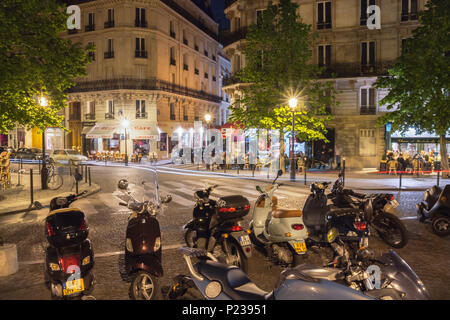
<point x="46" y="202"/>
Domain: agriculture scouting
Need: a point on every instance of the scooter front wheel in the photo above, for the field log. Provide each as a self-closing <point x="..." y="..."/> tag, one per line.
<point x="144" y="286"/>
<point x="190" y="237"/>
<point x="441" y="225"/>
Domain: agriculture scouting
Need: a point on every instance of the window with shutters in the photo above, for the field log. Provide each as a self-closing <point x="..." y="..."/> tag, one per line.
<point x="324" y="15"/>
<point x="368" y="101"/>
<point x="364" y="16"/>
<point x="409" y="10"/>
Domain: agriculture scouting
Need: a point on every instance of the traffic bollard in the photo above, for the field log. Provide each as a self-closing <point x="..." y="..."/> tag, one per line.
<point x="343" y="172"/>
<point x="400" y="182"/>
<point x="437" y="182"/>
<point x="31" y="186"/>
<point x="89" y="172"/>
<point x="85" y="173"/>
<point x="304" y="171"/>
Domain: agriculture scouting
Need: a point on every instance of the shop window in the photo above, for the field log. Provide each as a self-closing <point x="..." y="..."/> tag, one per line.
<point x="367" y="142"/>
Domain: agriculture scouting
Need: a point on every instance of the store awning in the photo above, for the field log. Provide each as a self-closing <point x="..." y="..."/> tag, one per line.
<point x="143" y="130"/>
<point x="103" y="131"/>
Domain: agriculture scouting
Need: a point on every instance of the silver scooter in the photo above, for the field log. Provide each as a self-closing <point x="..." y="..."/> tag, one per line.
<point x="280" y="230"/>
<point x="212" y="280"/>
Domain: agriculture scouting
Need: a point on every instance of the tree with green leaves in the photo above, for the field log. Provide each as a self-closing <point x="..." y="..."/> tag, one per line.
<point x="35" y="61"/>
<point x="278" y="66"/>
<point x="419" y="83"/>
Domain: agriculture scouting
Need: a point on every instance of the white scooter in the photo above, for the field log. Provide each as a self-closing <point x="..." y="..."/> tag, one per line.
<point x="280" y="231"/>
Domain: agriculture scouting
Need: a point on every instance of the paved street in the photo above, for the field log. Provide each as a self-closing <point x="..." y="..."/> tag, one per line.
<point x="427" y="254"/>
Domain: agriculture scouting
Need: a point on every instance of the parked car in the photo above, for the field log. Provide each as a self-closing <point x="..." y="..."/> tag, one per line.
<point x="27" y="153"/>
<point x="68" y="155"/>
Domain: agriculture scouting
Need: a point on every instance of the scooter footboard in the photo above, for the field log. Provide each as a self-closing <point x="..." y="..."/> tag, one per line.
<point x="149" y="263"/>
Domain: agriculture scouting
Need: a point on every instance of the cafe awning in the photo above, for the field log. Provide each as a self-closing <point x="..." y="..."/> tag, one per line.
<point x="143" y="130"/>
<point x="103" y="130"/>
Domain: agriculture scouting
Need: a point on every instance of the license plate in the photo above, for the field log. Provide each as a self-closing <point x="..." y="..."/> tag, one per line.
<point x="300" y="247"/>
<point x="394" y="203"/>
<point x="73" y="286"/>
<point x="245" y="240"/>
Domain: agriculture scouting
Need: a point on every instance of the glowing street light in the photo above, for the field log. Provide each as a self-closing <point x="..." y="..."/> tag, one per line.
<point x="293" y="104"/>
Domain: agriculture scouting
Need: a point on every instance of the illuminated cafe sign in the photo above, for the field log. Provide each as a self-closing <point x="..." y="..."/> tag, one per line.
<point x="411" y="136"/>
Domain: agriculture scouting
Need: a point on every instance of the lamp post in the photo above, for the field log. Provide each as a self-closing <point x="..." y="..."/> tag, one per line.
<point x="125" y="125"/>
<point x="208" y="120"/>
<point x="44" y="173"/>
<point x="293" y="104"/>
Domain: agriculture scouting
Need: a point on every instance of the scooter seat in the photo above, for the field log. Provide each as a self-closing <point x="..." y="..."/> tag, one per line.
<point x="278" y="212"/>
<point x="235" y="283"/>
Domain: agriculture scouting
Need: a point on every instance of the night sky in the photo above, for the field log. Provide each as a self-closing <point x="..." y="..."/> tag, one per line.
<point x="219" y="15"/>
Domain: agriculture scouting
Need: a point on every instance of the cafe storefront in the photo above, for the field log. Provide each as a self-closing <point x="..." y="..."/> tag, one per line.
<point x="413" y="143"/>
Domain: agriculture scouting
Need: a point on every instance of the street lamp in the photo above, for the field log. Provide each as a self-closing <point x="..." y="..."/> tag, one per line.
<point x="43" y="102"/>
<point x="125" y="125"/>
<point x="293" y="104"/>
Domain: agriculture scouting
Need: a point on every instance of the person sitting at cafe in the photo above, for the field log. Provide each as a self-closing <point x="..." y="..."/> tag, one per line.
<point x="401" y="162"/>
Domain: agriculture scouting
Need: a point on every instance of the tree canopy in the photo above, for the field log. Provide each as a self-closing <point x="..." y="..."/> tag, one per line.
<point x="35" y="61"/>
<point x="278" y="55"/>
<point x="419" y="83"/>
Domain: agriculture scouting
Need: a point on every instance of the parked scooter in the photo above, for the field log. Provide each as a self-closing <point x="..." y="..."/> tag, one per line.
<point x="69" y="258"/>
<point x="279" y="230"/>
<point x="436" y="208"/>
<point x="383" y="220"/>
<point x="143" y="254"/>
<point x="348" y="225"/>
<point x="216" y="224"/>
<point x="217" y="281"/>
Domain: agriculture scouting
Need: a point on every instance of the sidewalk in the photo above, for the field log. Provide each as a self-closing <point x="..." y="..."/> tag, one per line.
<point x="18" y="197"/>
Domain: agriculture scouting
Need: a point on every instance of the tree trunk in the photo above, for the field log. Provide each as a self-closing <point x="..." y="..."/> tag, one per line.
<point x="444" y="157"/>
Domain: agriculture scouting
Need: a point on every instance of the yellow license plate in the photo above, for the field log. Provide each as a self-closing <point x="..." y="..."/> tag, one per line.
<point x="73" y="286"/>
<point x="300" y="246"/>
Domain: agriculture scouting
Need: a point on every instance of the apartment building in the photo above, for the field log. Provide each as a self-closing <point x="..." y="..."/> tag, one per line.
<point x="156" y="64"/>
<point x="345" y="47"/>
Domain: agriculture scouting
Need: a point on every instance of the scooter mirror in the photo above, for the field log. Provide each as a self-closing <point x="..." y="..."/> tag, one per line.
<point x="280" y="173"/>
<point x="259" y="189"/>
<point x="166" y="199"/>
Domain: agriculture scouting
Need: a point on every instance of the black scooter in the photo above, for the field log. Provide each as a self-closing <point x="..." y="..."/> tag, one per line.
<point x="69" y="258"/>
<point x="143" y="254"/>
<point x="436" y="208"/>
<point x="216" y="224"/>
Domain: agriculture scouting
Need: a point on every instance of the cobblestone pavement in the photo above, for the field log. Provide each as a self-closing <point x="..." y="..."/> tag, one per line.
<point x="427" y="254"/>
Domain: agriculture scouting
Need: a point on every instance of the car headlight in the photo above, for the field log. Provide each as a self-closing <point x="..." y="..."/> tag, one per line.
<point x="54" y="267"/>
<point x="157" y="244"/>
<point x="86" y="260"/>
<point x="129" y="245"/>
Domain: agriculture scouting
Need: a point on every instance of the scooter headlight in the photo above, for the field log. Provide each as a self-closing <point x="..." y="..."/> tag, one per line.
<point x="54" y="267"/>
<point x="129" y="245"/>
<point x="157" y="244"/>
<point x="86" y="260"/>
<point x="332" y="234"/>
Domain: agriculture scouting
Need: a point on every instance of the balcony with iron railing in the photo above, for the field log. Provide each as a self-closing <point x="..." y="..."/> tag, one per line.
<point x="140" y="54"/>
<point x="109" y="54"/>
<point x="109" y="24"/>
<point x="141" y="84"/>
<point x="368" y="110"/>
<point x="141" y="115"/>
<point x="109" y="115"/>
<point x="346" y="70"/>
<point x="140" y="24"/>
<point x="89" y="27"/>
<point x="228" y="38"/>
<point x="89" y="116"/>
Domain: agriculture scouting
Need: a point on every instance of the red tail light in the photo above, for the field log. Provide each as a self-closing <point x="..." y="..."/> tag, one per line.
<point x="50" y="230"/>
<point x="227" y="209"/>
<point x="297" y="226"/>
<point x="82" y="225"/>
<point x="390" y="197"/>
<point x="361" y="226"/>
<point x="247" y="207"/>
<point x="236" y="228"/>
<point x="66" y="262"/>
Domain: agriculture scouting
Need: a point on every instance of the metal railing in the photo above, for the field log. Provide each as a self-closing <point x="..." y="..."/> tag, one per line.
<point x="109" y="24"/>
<point x="141" y="115"/>
<point x="89" y="116"/>
<point x="140" y="54"/>
<point x="109" y="116"/>
<point x="109" y="55"/>
<point x="141" y="84"/>
<point x="231" y="37"/>
<point x="90" y="27"/>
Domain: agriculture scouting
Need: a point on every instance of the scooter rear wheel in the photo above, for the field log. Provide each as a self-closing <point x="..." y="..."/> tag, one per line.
<point x="190" y="237"/>
<point x="144" y="286"/>
<point x="441" y="225"/>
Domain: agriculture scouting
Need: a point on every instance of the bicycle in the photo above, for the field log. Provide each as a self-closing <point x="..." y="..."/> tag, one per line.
<point x="54" y="180"/>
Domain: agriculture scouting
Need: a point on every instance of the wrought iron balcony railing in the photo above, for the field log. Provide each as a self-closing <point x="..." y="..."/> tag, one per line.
<point x="365" y="110"/>
<point x="140" y="54"/>
<point x="109" y="24"/>
<point x="140" y="24"/>
<point x="141" y="115"/>
<point x="109" y="55"/>
<point x="90" y="27"/>
<point x="109" y="116"/>
<point x="141" y="84"/>
<point x="89" y="116"/>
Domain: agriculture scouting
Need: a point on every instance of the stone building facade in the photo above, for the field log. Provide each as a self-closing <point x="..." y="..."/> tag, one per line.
<point x="156" y="64"/>
<point x="349" y="49"/>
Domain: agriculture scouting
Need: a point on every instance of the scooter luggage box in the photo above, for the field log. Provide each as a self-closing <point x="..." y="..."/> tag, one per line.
<point x="66" y="227"/>
<point x="232" y="207"/>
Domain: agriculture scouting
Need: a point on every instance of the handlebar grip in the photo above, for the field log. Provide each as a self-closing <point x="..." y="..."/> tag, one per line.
<point x="123" y="204"/>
